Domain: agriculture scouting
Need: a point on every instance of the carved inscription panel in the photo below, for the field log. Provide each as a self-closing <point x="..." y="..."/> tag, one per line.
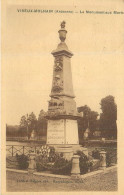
<point x="55" y="132"/>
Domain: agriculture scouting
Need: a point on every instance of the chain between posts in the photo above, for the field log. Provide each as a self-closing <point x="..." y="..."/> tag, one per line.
<point x="52" y="168"/>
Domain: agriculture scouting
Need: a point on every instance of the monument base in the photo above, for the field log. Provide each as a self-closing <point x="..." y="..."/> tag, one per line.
<point x="62" y="131"/>
<point x="62" y="134"/>
<point x="69" y="150"/>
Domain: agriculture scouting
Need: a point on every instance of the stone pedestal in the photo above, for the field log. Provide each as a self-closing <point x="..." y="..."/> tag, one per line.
<point x="75" y="166"/>
<point x="63" y="135"/>
<point x="102" y="159"/>
<point x="32" y="163"/>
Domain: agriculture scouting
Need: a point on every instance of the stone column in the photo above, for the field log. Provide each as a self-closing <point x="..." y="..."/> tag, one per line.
<point x="75" y="166"/>
<point x="102" y="159"/>
<point x="32" y="162"/>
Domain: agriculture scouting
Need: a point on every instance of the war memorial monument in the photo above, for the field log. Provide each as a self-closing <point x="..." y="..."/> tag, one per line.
<point x="62" y="115"/>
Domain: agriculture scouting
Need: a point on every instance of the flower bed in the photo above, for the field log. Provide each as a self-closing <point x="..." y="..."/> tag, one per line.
<point x="57" y="164"/>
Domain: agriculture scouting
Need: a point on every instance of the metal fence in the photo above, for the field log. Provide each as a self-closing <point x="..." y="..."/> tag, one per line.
<point x="12" y="150"/>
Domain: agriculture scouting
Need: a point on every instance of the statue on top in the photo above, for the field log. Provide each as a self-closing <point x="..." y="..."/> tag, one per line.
<point x="63" y="24"/>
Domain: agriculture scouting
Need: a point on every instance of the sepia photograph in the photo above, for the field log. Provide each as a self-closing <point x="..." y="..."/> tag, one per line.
<point x="60" y="70"/>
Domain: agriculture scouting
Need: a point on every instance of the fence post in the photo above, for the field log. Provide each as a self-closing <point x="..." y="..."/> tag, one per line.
<point x="102" y="159"/>
<point x="35" y="148"/>
<point x="23" y="150"/>
<point x="75" y="171"/>
<point x="32" y="162"/>
<point x="12" y="150"/>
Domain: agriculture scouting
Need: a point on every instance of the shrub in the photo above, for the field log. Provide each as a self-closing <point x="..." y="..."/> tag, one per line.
<point x="22" y="161"/>
<point x="111" y="157"/>
<point x="54" y="163"/>
<point x="85" y="163"/>
<point x="40" y="167"/>
<point x="96" y="154"/>
<point x="108" y="159"/>
<point x="62" y="166"/>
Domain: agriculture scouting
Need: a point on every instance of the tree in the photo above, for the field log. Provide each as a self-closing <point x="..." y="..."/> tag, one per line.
<point x="32" y="123"/>
<point x="108" y="117"/>
<point x="27" y="124"/>
<point x="93" y="122"/>
<point x="12" y="130"/>
<point x="89" y="120"/>
<point x="23" y="127"/>
<point x="23" y="121"/>
<point x="42" y="123"/>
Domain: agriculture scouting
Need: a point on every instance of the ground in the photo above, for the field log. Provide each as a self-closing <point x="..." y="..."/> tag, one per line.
<point x="18" y="182"/>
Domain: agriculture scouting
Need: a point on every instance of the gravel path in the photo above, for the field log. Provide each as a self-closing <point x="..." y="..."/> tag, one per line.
<point x="18" y="182"/>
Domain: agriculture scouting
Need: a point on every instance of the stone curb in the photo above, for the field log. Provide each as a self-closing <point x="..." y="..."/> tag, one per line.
<point x="64" y="176"/>
<point x="106" y="170"/>
<point x="16" y="171"/>
<point x="52" y="175"/>
<point x="39" y="174"/>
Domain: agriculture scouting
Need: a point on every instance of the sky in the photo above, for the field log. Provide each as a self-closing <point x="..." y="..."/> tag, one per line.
<point x="28" y="40"/>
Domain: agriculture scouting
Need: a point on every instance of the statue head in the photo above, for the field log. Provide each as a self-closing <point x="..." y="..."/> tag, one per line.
<point x="63" y="24"/>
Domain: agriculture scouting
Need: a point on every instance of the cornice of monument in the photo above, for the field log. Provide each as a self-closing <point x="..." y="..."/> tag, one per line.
<point x="62" y="94"/>
<point x="62" y="51"/>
